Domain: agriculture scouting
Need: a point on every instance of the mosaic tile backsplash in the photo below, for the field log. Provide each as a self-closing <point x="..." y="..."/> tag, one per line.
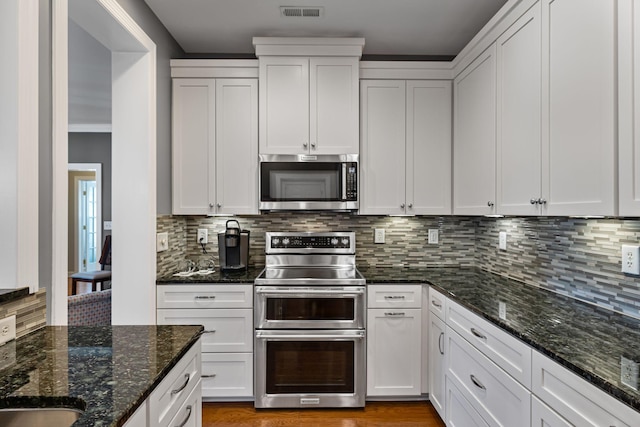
<point x="575" y="257"/>
<point x="30" y="312"/>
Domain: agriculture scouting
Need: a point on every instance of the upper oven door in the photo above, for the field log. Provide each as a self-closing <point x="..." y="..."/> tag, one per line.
<point x="308" y="182"/>
<point x="285" y="307"/>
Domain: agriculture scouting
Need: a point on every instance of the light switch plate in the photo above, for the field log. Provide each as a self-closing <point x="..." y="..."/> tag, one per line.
<point x="502" y="240"/>
<point x="7" y="329"/>
<point x="378" y="235"/>
<point x="162" y="242"/>
<point x="433" y="236"/>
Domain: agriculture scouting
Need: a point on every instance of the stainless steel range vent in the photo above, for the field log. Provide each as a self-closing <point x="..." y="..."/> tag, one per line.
<point x="301" y="12"/>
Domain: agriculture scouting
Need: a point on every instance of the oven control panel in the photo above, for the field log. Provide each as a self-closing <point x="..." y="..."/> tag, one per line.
<point x="321" y="242"/>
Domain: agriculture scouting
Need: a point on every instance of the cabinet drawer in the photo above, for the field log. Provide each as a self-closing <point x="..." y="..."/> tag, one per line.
<point x="205" y="296"/>
<point x="543" y="416"/>
<point x="172" y="392"/>
<point x="579" y="402"/>
<point x="497" y="397"/>
<point x="190" y="413"/>
<point x="459" y="410"/>
<point x="394" y="296"/>
<point x="506" y="351"/>
<point x="227" y="375"/>
<point x="437" y="303"/>
<point x="225" y="330"/>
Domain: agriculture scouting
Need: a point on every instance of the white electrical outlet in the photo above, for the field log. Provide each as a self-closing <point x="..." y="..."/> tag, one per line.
<point x="630" y="259"/>
<point x="433" y="236"/>
<point x="378" y="235"/>
<point x="7" y="329"/>
<point x="629" y="372"/>
<point x="502" y="240"/>
<point x="162" y="242"/>
<point x="203" y="236"/>
<point x="502" y="310"/>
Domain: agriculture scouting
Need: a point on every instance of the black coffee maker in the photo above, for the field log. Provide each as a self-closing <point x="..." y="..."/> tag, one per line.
<point x="233" y="247"/>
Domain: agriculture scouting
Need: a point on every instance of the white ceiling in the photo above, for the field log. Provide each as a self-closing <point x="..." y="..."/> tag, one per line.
<point x="390" y="27"/>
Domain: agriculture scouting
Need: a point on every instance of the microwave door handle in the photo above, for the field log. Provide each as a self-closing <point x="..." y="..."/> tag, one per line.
<point x="344" y="181"/>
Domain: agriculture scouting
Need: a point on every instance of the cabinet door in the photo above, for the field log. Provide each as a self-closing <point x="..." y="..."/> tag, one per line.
<point x="543" y="416"/>
<point x="236" y="146"/>
<point x="334" y="105"/>
<point x="428" y="147"/>
<point x="518" y="138"/>
<point x="629" y="107"/>
<point x="382" y="160"/>
<point x="227" y="375"/>
<point x="436" y="363"/>
<point x="459" y="412"/>
<point x="579" y="107"/>
<point x="284" y="105"/>
<point x="393" y="352"/>
<point x="193" y="146"/>
<point x="474" y="143"/>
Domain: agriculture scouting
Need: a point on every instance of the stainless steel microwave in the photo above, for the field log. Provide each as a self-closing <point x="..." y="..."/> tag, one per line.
<point x="309" y="182"/>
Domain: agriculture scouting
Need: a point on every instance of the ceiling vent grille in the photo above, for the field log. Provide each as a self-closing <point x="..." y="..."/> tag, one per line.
<point x="301" y="12"/>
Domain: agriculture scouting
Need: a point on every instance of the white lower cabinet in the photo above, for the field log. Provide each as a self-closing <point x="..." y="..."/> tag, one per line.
<point x="190" y="413"/>
<point x="460" y="413"/>
<point x="437" y="363"/>
<point x="543" y="416"/>
<point x="226" y="312"/>
<point x="394" y="332"/>
<point x="497" y="397"/>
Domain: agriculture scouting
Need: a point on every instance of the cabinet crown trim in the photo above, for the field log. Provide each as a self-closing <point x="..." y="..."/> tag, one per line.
<point x="308" y="46"/>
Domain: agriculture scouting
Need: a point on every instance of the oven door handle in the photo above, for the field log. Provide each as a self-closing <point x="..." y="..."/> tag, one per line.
<point x="302" y="335"/>
<point x="306" y="291"/>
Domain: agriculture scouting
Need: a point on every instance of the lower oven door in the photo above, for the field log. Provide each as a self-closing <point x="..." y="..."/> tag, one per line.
<point x="310" y="369"/>
<point x="315" y="307"/>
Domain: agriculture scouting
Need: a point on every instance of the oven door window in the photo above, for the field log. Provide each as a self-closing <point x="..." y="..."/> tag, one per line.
<point x="281" y="182"/>
<point x="310" y="367"/>
<point x="312" y="309"/>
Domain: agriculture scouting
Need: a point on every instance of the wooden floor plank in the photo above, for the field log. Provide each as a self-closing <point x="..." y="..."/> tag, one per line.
<point x="375" y="414"/>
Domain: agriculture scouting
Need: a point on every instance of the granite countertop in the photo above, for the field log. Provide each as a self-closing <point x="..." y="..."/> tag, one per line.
<point x="217" y="276"/>
<point x="586" y="339"/>
<point x="107" y="371"/>
<point x="8" y="295"/>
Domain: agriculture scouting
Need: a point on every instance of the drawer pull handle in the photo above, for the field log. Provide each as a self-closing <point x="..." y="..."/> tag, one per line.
<point x="205" y="297"/>
<point x="397" y="314"/>
<point x="436" y="303"/>
<point x="477" y="383"/>
<point x="478" y="334"/>
<point x="212" y="331"/>
<point x="184" y="423"/>
<point x="209" y="376"/>
<point x="394" y="297"/>
<point x="440" y="343"/>
<point x="187" y="377"/>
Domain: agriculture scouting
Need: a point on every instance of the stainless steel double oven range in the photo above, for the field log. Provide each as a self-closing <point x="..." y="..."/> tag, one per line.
<point x="310" y="306"/>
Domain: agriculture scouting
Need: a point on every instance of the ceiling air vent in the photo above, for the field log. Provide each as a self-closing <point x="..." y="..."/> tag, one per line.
<point x="301" y="12"/>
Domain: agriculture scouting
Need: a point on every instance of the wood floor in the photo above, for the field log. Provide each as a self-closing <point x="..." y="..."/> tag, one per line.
<point x="375" y="414"/>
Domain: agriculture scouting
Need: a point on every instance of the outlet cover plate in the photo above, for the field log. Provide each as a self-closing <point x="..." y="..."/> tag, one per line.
<point x="203" y="236"/>
<point x="629" y="372"/>
<point x="378" y="235"/>
<point x="7" y="329"/>
<point x="631" y="259"/>
<point x="162" y="241"/>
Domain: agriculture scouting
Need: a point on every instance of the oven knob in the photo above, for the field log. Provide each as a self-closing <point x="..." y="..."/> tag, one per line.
<point x="285" y="241"/>
<point x="334" y="241"/>
<point x="345" y="241"/>
<point x="275" y="241"/>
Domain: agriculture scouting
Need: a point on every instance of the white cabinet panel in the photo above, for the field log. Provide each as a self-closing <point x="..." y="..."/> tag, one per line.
<point x="518" y="138"/>
<point x="460" y="413"/>
<point x="437" y="366"/>
<point x="497" y="397"/>
<point x="474" y="143"/>
<point x="227" y="375"/>
<point x="394" y="296"/>
<point x="205" y="296"/>
<point x="543" y="416"/>
<point x="437" y="303"/>
<point x="579" y="106"/>
<point x="393" y="352"/>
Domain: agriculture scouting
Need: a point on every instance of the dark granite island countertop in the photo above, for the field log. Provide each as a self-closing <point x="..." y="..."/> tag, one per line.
<point x="585" y="339"/>
<point x="244" y="276"/>
<point x="105" y="371"/>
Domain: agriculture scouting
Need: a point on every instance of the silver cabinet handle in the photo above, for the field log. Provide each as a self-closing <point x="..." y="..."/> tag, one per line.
<point x="477" y="383"/>
<point x="490" y="203"/>
<point x="210" y="205"/>
<point x="534" y="201"/>
<point x="441" y="343"/>
<point x="184" y="423"/>
<point x="410" y="206"/>
<point x="398" y="314"/>
<point x="402" y="206"/>
<point x="305" y="145"/>
<point x="313" y="145"/>
<point x="394" y="297"/>
<point x="208" y="376"/>
<point x="187" y="377"/>
<point x="211" y="331"/>
<point x="219" y="205"/>
<point x="436" y="303"/>
<point x="542" y="201"/>
<point x="478" y="334"/>
<point x="205" y="297"/>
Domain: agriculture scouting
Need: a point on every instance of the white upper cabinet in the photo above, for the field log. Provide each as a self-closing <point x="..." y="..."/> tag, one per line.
<point x="406" y="147"/>
<point x="519" y="173"/>
<point x="629" y="103"/>
<point x="215" y="145"/>
<point x="579" y="107"/>
<point x="474" y="143"/>
<point x="309" y="101"/>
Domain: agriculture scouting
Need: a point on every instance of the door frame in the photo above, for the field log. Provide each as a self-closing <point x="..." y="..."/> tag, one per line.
<point x="133" y="56"/>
